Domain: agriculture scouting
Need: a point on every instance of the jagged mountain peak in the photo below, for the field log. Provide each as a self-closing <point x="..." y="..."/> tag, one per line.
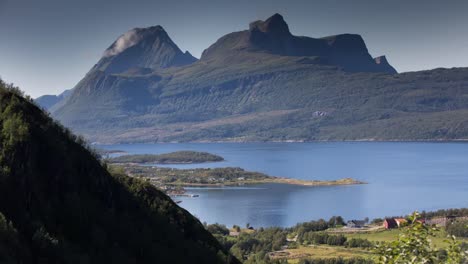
<point x="132" y="37"/>
<point x="149" y="47"/>
<point x="272" y="37"/>
<point x="274" y="25"/>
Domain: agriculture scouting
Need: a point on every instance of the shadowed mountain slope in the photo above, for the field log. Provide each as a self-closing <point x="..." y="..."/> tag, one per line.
<point x="272" y="36"/>
<point x="58" y="204"/>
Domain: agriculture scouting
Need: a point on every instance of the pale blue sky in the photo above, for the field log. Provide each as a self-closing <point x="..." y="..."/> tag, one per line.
<point x="47" y="46"/>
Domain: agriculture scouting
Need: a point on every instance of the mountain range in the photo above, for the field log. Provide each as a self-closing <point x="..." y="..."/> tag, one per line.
<point x="260" y="84"/>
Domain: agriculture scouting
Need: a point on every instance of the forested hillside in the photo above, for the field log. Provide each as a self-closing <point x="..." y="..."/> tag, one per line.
<point x="58" y="204"/>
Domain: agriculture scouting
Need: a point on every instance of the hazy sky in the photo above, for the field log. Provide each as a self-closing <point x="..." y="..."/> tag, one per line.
<point x="47" y="46"/>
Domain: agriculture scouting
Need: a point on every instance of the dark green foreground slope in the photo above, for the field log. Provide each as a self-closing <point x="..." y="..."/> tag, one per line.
<point x="59" y="205"/>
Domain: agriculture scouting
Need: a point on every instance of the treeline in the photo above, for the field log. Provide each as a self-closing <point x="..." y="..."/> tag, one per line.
<point x="310" y="233"/>
<point x="12" y="99"/>
<point x="251" y="247"/>
<point x="168" y="158"/>
<point x="359" y="242"/>
<point x="319" y="238"/>
<point x="458" y="228"/>
<point x="445" y="212"/>
<point x="318" y="225"/>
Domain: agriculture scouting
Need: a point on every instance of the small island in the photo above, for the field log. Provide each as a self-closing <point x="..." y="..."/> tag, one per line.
<point x="178" y="157"/>
<point x="173" y="181"/>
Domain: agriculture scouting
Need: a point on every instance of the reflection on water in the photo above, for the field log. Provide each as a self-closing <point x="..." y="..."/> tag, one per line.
<point x="273" y="204"/>
<point x="402" y="177"/>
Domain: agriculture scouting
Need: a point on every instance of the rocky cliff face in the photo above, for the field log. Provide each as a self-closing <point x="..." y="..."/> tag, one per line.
<point x="383" y="63"/>
<point x="272" y="36"/>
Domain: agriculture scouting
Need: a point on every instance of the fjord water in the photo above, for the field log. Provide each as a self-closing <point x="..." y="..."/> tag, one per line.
<point x="401" y="177"/>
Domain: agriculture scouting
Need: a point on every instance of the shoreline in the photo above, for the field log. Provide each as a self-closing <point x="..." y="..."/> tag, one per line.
<point x="287" y="181"/>
<point x="290" y="141"/>
<point x="171" y="178"/>
<point x="168" y="163"/>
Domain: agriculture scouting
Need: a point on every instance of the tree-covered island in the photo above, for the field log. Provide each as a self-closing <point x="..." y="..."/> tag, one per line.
<point x="178" y="157"/>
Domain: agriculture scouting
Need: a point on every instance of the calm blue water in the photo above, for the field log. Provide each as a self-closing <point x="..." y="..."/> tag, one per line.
<point x="402" y="177"/>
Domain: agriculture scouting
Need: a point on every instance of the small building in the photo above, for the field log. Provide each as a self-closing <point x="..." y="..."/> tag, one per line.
<point x="400" y="221"/>
<point x="356" y="223"/>
<point x="390" y="223"/>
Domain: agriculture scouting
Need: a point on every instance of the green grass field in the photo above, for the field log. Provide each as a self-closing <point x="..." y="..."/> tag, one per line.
<point x="391" y="235"/>
<point x="323" y="251"/>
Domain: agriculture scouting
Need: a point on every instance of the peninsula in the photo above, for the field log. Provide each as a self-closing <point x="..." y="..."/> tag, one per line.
<point x="166" y="178"/>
